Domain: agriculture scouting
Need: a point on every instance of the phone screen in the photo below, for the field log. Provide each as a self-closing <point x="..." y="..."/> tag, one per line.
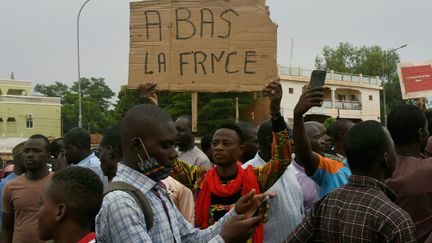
<point x="317" y="78"/>
<point x="262" y="206"/>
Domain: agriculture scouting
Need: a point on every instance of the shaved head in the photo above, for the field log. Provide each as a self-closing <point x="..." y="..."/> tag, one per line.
<point x="142" y="121"/>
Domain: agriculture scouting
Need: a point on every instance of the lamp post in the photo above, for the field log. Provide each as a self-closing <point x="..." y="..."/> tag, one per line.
<point x="79" y="71"/>
<point x="385" y="77"/>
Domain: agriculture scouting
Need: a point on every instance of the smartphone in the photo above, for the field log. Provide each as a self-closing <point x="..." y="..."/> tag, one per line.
<point x="317" y="78"/>
<point x="262" y="206"/>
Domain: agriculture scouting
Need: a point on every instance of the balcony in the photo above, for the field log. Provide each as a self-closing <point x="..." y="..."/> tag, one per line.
<point x="300" y="72"/>
<point x="348" y="105"/>
<point x="29" y="99"/>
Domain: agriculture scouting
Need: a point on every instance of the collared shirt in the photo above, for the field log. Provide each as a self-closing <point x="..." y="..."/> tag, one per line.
<point x="93" y="163"/>
<point x="412" y="182"/>
<point x="122" y="220"/>
<point x="331" y="174"/>
<point x="257" y="161"/>
<point x="361" y="211"/>
<point x="309" y="187"/>
<point x="195" y="157"/>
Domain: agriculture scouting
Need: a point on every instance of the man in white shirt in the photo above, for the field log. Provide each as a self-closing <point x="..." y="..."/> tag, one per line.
<point x="286" y="210"/>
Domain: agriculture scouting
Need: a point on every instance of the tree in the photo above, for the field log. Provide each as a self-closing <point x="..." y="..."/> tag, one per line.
<point x="366" y="60"/>
<point x="95" y="102"/>
<point x="53" y="90"/>
<point x="213" y="108"/>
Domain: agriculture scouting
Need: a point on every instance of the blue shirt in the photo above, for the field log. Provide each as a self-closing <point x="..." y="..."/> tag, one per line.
<point x="331" y="174"/>
<point x="93" y="163"/>
<point x="122" y="220"/>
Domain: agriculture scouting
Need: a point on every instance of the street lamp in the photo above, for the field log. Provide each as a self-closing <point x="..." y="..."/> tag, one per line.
<point x="79" y="71"/>
<point x="385" y="77"/>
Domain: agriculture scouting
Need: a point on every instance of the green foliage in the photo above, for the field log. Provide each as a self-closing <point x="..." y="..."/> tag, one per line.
<point x="329" y="121"/>
<point x="213" y="108"/>
<point x="96" y="97"/>
<point x="366" y="60"/>
<point x="53" y="90"/>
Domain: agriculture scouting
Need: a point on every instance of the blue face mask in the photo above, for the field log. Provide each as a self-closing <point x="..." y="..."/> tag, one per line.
<point x="150" y="167"/>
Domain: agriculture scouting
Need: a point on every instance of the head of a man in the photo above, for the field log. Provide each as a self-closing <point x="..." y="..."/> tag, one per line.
<point x="250" y="141"/>
<point x="185" y="138"/>
<point x="206" y="142"/>
<point x="337" y="132"/>
<point x="316" y="135"/>
<point x="77" y="143"/>
<point x="227" y="145"/>
<point x="148" y="137"/>
<point x="407" y="126"/>
<point x="36" y="152"/>
<point x="18" y="158"/>
<point x="370" y="150"/>
<point x="70" y="201"/>
<point x="110" y="151"/>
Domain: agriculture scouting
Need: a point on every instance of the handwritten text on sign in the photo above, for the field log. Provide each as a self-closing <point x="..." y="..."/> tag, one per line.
<point x="211" y="45"/>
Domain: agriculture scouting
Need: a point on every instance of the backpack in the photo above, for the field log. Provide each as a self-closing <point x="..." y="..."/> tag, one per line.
<point x="137" y="194"/>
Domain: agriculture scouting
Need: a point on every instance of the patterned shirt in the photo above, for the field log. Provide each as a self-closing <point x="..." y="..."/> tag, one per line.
<point x="361" y="211"/>
<point x="122" y="220"/>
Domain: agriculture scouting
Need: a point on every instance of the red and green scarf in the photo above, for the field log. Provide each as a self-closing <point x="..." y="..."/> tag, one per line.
<point x="245" y="180"/>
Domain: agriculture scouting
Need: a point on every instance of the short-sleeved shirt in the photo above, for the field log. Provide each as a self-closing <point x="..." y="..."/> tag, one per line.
<point x="3" y="182"/>
<point x="195" y="157"/>
<point x="412" y="183"/>
<point x="22" y="197"/>
<point x="331" y="174"/>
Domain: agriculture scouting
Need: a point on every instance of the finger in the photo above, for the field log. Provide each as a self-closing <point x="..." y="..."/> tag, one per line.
<point x="271" y="194"/>
<point x="249" y="196"/>
<point x="239" y="217"/>
<point x="316" y="89"/>
<point x="253" y="220"/>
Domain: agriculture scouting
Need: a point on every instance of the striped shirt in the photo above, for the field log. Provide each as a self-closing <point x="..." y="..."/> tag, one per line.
<point x="122" y="220"/>
<point x="361" y="211"/>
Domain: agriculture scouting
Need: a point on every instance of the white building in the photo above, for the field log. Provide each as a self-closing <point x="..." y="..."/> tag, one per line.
<point x="355" y="97"/>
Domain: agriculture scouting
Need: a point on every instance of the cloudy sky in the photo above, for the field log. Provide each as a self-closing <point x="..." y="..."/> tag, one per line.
<point x="38" y="38"/>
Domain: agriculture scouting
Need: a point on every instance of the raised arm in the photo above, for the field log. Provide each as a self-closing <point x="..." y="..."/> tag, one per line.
<point x="303" y="151"/>
<point x="281" y="150"/>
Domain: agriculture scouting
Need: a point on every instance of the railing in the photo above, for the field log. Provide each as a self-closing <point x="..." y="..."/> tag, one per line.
<point x="296" y="71"/>
<point x="29" y="99"/>
<point x="348" y="105"/>
<point x="327" y="104"/>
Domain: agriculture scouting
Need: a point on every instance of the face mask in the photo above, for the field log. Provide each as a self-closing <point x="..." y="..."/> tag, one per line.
<point x="151" y="167"/>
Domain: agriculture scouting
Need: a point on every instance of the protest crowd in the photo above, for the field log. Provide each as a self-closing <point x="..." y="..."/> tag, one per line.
<point x="151" y="183"/>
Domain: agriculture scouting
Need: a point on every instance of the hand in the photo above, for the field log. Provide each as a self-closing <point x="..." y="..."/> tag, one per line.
<point x="312" y="97"/>
<point x="239" y="228"/>
<point x="248" y="204"/>
<point x="273" y="90"/>
<point x="147" y="93"/>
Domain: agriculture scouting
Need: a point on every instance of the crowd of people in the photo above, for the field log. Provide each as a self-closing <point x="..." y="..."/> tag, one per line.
<point x="150" y="182"/>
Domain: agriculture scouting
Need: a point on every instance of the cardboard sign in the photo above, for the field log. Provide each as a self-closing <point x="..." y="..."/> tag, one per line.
<point x="415" y="79"/>
<point x="202" y="45"/>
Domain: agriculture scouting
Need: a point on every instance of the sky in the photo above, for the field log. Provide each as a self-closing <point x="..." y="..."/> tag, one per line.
<point x="38" y="38"/>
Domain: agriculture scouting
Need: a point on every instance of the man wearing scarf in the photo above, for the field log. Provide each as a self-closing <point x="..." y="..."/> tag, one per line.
<point x="224" y="184"/>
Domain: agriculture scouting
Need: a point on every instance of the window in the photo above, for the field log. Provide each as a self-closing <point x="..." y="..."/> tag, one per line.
<point x="11" y="128"/>
<point x="29" y="121"/>
<point x="370" y="97"/>
<point x="291" y="90"/>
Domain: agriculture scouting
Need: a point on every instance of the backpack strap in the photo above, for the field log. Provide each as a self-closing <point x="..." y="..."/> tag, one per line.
<point x="137" y="194"/>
